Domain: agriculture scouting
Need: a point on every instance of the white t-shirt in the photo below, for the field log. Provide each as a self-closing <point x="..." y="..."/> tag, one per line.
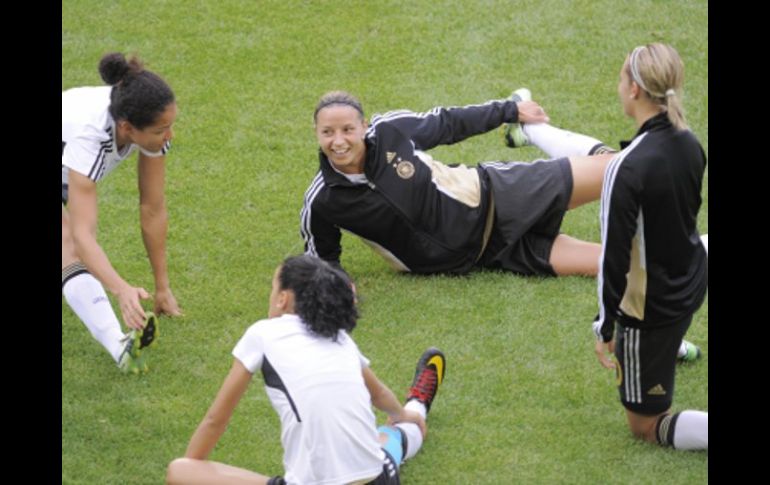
<point x="88" y="130"/>
<point x="328" y="428"/>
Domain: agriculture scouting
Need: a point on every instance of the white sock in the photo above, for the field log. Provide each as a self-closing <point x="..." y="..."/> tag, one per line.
<point x="705" y="240"/>
<point x="691" y="431"/>
<point x="558" y="143"/>
<point x="411" y="430"/>
<point x="682" y="349"/>
<point x="415" y="405"/>
<point x="413" y="438"/>
<point x="86" y="296"/>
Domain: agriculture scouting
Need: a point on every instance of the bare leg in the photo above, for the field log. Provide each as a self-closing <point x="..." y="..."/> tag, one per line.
<point x="570" y="256"/>
<point x="643" y="427"/>
<point x="587" y="178"/>
<point x="68" y="255"/>
<point x="192" y="472"/>
<point x="86" y="296"/>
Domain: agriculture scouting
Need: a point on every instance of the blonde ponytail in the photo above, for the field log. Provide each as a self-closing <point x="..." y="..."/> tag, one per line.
<point x="659" y="71"/>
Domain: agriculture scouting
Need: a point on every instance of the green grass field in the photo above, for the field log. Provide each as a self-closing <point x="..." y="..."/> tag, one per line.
<point x="524" y="398"/>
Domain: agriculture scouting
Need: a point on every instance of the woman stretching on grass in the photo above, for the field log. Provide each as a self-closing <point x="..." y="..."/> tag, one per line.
<point x="653" y="268"/>
<point x="101" y="127"/>
<point x="423" y="216"/>
<point x="322" y="388"/>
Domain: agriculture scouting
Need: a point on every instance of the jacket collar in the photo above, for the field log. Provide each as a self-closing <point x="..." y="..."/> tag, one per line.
<point x="658" y="122"/>
<point x="333" y="177"/>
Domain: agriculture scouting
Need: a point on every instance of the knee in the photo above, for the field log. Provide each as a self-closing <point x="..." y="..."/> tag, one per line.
<point x="644" y="431"/>
<point x="175" y="471"/>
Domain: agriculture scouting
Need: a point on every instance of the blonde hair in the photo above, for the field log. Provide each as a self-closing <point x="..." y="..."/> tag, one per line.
<point x="659" y="71"/>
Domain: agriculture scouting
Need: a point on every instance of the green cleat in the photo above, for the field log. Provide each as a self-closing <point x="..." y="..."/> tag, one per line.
<point x="513" y="133"/>
<point x="692" y="352"/>
<point x="132" y="360"/>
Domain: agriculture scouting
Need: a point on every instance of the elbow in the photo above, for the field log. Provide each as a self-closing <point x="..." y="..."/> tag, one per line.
<point x="152" y="211"/>
<point x="214" y="422"/>
<point x="151" y="215"/>
<point x="176" y="471"/>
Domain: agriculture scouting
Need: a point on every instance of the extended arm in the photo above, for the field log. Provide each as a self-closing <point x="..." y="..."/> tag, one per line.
<point x="154" y="221"/>
<point x="215" y="422"/>
<point x="620" y="218"/>
<point x="384" y="400"/>
<point x="82" y="205"/>
<point x="443" y="126"/>
<point x="322" y="237"/>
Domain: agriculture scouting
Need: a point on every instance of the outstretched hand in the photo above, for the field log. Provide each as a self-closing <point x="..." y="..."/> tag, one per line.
<point x="131" y="307"/>
<point x="165" y="303"/>
<point x="531" y="112"/>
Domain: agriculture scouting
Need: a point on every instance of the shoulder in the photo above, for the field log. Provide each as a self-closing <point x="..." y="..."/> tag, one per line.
<point x="389" y="120"/>
<point x="84" y="101"/>
<point x="271" y="328"/>
<point x="316" y="185"/>
<point x="85" y="113"/>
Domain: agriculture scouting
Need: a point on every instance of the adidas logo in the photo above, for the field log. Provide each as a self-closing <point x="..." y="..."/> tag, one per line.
<point x="389" y="156"/>
<point x="657" y="391"/>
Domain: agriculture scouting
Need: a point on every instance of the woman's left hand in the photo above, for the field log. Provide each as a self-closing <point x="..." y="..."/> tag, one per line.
<point x="165" y="303"/>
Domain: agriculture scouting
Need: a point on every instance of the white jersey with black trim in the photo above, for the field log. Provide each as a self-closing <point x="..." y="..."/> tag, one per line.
<point x="88" y="133"/>
<point x="328" y="428"/>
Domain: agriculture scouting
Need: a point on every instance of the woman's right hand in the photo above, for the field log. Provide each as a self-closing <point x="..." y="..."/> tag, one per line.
<point x="531" y="112"/>
<point x="131" y="307"/>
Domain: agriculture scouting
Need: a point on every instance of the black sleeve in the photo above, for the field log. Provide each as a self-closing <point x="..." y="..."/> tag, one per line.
<point x="322" y="238"/>
<point x="444" y="126"/>
<point x="619" y="214"/>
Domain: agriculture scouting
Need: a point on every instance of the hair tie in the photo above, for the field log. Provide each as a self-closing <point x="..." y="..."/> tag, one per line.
<point x="670" y="93"/>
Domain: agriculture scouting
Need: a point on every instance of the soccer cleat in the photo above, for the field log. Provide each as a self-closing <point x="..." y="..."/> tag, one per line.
<point x="513" y="133"/>
<point x="129" y="360"/>
<point x="427" y="377"/>
<point x="150" y="330"/>
<point x="692" y="352"/>
<point x="132" y="359"/>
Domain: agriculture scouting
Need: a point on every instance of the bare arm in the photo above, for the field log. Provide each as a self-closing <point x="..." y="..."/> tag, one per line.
<point x="82" y="206"/>
<point x="154" y="222"/>
<point x="215" y="422"/>
<point x="384" y="400"/>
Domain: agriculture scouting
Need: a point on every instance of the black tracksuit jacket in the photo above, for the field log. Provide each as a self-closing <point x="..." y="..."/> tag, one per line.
<point x="422" y="217"/>
<point x="653" y="269"/>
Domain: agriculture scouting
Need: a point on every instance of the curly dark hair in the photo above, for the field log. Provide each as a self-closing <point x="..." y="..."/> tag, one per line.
<point x="138" y="96"/>
<point x="323" y="295"/>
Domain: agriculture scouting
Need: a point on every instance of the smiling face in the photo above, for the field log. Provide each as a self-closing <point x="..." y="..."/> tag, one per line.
<point x="154" y="136"/>
<point x="340" y="130"/>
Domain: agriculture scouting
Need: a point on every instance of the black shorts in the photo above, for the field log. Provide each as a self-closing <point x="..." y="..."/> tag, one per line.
<point x="530" y="200"/>
<point x="389" y="475"/>
<point x="647" y="363"/>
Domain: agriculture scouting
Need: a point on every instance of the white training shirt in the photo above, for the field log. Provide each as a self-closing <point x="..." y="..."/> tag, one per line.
<point x="88" y="130"/>
<point x="328" y="428"/>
